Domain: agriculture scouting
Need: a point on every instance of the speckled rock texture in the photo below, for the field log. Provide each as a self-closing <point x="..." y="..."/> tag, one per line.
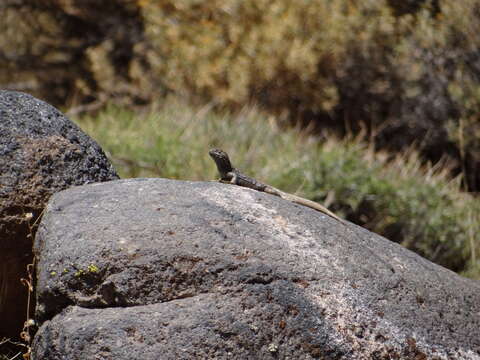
<point x="164" y="269"/>
<point x="41" y="152"/>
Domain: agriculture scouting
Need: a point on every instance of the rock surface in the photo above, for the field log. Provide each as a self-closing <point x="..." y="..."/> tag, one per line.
<point x="41" y="152"/>
<point x="154" y="268"/>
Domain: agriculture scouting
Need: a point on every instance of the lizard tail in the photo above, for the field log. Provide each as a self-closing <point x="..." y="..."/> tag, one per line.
<point x="311" y="204"/>
<point x="301" y="201"/>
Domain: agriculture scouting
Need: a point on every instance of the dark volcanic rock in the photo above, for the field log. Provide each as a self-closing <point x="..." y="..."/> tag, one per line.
<point x="41" y="152"/>
<point x="162" y="269"/>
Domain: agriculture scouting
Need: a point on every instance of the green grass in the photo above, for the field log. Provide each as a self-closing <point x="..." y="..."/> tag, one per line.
<point x="418" y="206"/>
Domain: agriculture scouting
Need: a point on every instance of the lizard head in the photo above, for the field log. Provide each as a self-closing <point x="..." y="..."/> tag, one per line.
<point x="222" y="160"/>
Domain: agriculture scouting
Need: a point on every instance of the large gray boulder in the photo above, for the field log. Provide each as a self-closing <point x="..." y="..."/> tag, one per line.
<point x="163" y="269"/>
<point x="41" y="152"/>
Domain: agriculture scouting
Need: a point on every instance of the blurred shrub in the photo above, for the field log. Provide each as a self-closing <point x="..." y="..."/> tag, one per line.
<point x="68" y="51"/>
<point x="402" y="72"/>
<point x="281" y="54"/>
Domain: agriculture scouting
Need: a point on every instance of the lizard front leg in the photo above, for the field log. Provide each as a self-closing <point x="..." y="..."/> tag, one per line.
<point x="233" y="177"/>
<point x="229" y="178"/>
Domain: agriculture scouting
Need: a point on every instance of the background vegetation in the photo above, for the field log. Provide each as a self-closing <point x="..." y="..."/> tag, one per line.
<point x="401" y="72"/>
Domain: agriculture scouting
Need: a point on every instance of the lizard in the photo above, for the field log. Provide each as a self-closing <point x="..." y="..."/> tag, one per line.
<point x="229" y="174"/>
